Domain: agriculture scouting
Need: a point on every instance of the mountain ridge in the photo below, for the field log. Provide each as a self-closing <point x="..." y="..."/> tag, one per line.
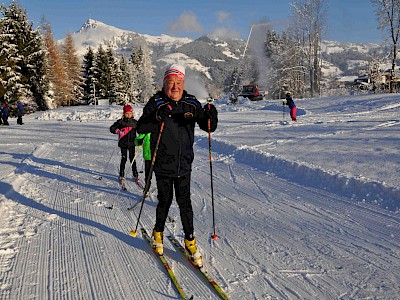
<point x="212" y="58"/>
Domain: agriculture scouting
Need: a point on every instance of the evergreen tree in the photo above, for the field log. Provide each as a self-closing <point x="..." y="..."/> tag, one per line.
<point x="24" y="56"/>
<point x="123" y="81"/>
<point x="10" y="71"/>
<point x="141" y="75"/>
<point x="146" y="80"/>
<point x="102" y="73"/>
<point x="112" y="75"/>
<point x="88" y="71"/>
<point x="135" y="67"/>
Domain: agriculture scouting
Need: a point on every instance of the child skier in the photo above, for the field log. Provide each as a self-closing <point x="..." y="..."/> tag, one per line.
<point x="289" y="102"/>
<point x="126" y="129"/>
<point x="19" y="112"/>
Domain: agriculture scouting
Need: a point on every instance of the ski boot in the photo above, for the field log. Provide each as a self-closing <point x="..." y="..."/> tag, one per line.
<point x="194" y="253"/>
<point x="158" y="242"/>
<point x="122" y="182"/>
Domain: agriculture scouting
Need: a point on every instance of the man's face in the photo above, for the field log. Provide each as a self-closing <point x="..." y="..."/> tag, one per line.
<point x="173" y="87"/>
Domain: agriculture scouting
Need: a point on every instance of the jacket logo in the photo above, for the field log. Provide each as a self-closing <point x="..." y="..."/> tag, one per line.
<point x="188" y="115"/>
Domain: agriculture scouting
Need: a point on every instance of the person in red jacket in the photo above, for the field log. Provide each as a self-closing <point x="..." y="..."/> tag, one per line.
<point x="126" y="129"/>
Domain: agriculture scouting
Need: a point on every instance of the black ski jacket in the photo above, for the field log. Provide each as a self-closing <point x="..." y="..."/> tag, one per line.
<point x="126" y="128"/>
<point x="175" y="153"/>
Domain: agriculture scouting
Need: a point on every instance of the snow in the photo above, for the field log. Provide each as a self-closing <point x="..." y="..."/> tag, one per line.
<point x="303" y="210"/>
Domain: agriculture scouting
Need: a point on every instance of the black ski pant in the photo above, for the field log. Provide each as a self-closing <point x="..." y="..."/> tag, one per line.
<point x="165" y="186"/>
<point x="5" y="120"/>
<point x="147" y="167"/>
<point x="124" y="159"/>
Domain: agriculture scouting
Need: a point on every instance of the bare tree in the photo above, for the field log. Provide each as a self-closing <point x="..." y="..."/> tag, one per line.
<point x="309" y="18"/>
<point x="388" y="15"/>
<point x="56" y="70"/>
<point x="72" y="67"/>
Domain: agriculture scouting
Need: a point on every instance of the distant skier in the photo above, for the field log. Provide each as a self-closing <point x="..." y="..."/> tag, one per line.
<point x="144" y="140"/>
<point x="126" y="129"/>
<point x="19" y="112"/>
<point x="289" y="102"/>
<point x="5" y="114"/>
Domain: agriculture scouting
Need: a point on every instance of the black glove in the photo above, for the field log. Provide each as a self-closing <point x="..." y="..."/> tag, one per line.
<point x="210" y="112"/>
<point x="163" y="112"/>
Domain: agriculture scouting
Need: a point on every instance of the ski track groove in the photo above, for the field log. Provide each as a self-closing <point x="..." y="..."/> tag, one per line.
<point x="70" y="189"/>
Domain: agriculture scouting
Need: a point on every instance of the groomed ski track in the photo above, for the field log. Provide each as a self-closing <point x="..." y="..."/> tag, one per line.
<point x="277" y="239"/>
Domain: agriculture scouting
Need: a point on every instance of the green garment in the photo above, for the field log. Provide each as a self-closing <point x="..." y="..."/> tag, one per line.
<point x="146" y="145"/>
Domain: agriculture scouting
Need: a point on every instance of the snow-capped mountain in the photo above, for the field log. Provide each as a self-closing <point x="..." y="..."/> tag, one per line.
<point x="93" y="33"/>
<point x="211" y="58"/>
<point x="208" y="58"/>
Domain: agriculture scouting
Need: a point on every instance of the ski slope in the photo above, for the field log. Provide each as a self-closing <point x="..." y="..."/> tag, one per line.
<point x="306" y="210"/>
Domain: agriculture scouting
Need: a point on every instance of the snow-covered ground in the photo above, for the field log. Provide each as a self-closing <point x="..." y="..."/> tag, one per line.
<point x="306" y="210"/>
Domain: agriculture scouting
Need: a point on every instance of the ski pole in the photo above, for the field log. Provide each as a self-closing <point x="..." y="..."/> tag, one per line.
<point x="283" y="112"/>
<point x="134" y="157"/>
<point x="214" y="236"/>
<point x="136" y="153"/>
<point x="146" y="188"/>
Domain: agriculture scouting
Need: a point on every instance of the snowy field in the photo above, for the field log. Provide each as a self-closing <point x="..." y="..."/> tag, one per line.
<point x="306" y="210"/>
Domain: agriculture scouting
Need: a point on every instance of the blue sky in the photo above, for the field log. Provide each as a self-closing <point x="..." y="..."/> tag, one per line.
<point x="348" y="21"/>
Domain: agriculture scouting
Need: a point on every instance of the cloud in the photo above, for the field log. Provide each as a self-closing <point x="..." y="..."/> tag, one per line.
<point x="222" y="16"/>
<point x="226" y="31"/>
<point x="186" y="23"/>
<point x="223" y="32"/>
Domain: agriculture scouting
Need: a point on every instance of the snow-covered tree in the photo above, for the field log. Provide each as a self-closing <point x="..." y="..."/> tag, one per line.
<point x="88" y="73"/>
<point x="123" y="95"/>
<point x="113" y="75"/>
<point x="103" y="73"/>
<point x="388" y="14"/>
<point x="308" y="24"/>
<point x="146" y="80"/>
<point x="10" y="71"/>
<point x="286" y="64"/>
<point x="23" y="61"/>
<point x="135" y="73"/>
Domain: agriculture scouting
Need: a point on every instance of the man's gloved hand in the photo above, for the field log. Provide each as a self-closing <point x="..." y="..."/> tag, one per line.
<point x="210" y="111"/>
<point x="163" y="112"/>
<point x="284" y="102"/>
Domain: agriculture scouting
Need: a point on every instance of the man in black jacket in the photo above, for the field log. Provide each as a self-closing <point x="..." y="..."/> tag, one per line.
<point x="179" y="111"/>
